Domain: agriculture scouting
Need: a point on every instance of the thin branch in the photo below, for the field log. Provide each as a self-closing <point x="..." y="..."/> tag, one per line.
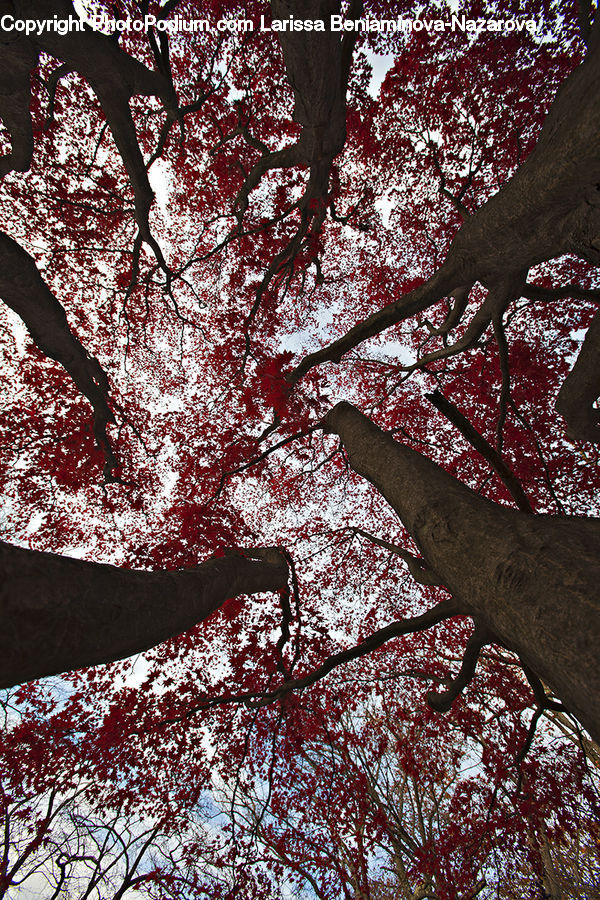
<point x="567" y="292"/>
<point x="441" y="701"/>
<point x="51" y="86"/>
<point x="479" y="443"/>
<point x="446" y="609"/>
<point x="454" y="317"/>
<point x="417" y="566"/>
<point x="454" y="200"/>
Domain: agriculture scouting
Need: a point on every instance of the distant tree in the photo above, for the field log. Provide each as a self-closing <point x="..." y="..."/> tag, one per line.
<point x="351" y="794"/>
<point x="378" y="803"/>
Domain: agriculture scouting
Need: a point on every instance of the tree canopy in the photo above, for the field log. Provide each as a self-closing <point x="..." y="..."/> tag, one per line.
<point x="300" y="341"/>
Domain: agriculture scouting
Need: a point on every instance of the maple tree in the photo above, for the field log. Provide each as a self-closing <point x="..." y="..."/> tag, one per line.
<point x="380" y="777"/>
<point x="226" y="335"/>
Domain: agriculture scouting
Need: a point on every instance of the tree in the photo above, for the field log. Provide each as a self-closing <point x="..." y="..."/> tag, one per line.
<point x="370" y="806"/>
<point x="95" y="613"/>
<point x="365" y="795"/>
<point x="72" y="851"/>
<point x="302" y="223"/>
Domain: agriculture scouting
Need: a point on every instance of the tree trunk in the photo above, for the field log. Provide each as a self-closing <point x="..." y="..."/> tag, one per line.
<point x="533" y="581"/>
<point x="60" y="613"/>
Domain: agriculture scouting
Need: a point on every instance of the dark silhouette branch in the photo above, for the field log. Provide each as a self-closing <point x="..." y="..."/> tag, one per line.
<point x="115" y="78"/>
<point x="416" y="566"/>
<point x="446" y="609"/>
<point x="441" y="701"/>
<point x="568" y="291"/>
<point x="17" y="60"/>
<point x="25" y="292"/>
<point x="454" y="317"/>
<point x="479" y="443"/>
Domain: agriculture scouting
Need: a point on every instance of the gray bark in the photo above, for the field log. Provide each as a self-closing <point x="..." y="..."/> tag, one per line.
<point x="532" y="581"/>
<point x="60" y="614"/>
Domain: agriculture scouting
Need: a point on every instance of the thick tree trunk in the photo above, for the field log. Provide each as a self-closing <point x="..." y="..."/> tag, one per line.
<point x="17" y="58"/>
<point x="60" y="613"/>
<point x="318" y="73"/>
<point x="534" y="581"/>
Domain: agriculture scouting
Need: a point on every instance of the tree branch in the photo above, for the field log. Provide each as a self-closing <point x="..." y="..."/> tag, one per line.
<point x="115" y="77"/>
<point x="542" y="212"/>
<point x="25" y="292"/>
<point x="440" y="285"/>
<point x="530" y="580"/>
<point x="568" y="291"/>
<point x="454" y="317"/>
<point x="416" y="566"/>
<point x="479" y="443"/>
<point x="500" y="295"/>
<point x="444" y="610"/>
<point x="60" y="613"/>
<point x="441" y="701"/>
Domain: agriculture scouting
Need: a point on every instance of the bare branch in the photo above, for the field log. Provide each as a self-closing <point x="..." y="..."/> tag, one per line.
<point x="417" y="567"/>
<point x="568" y="291"/>
<point x="454" y="317"/>
<point x="479" y="443"/>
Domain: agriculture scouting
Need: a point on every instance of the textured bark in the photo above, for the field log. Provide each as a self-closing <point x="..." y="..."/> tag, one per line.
<point x="60" y="613"/>
<point x="17" y="58"/>
<point x="317" y="66"/>
<point x="533" y="581"/>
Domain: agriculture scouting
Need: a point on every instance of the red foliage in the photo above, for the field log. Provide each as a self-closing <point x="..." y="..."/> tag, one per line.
<point x="217" y="448"/>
